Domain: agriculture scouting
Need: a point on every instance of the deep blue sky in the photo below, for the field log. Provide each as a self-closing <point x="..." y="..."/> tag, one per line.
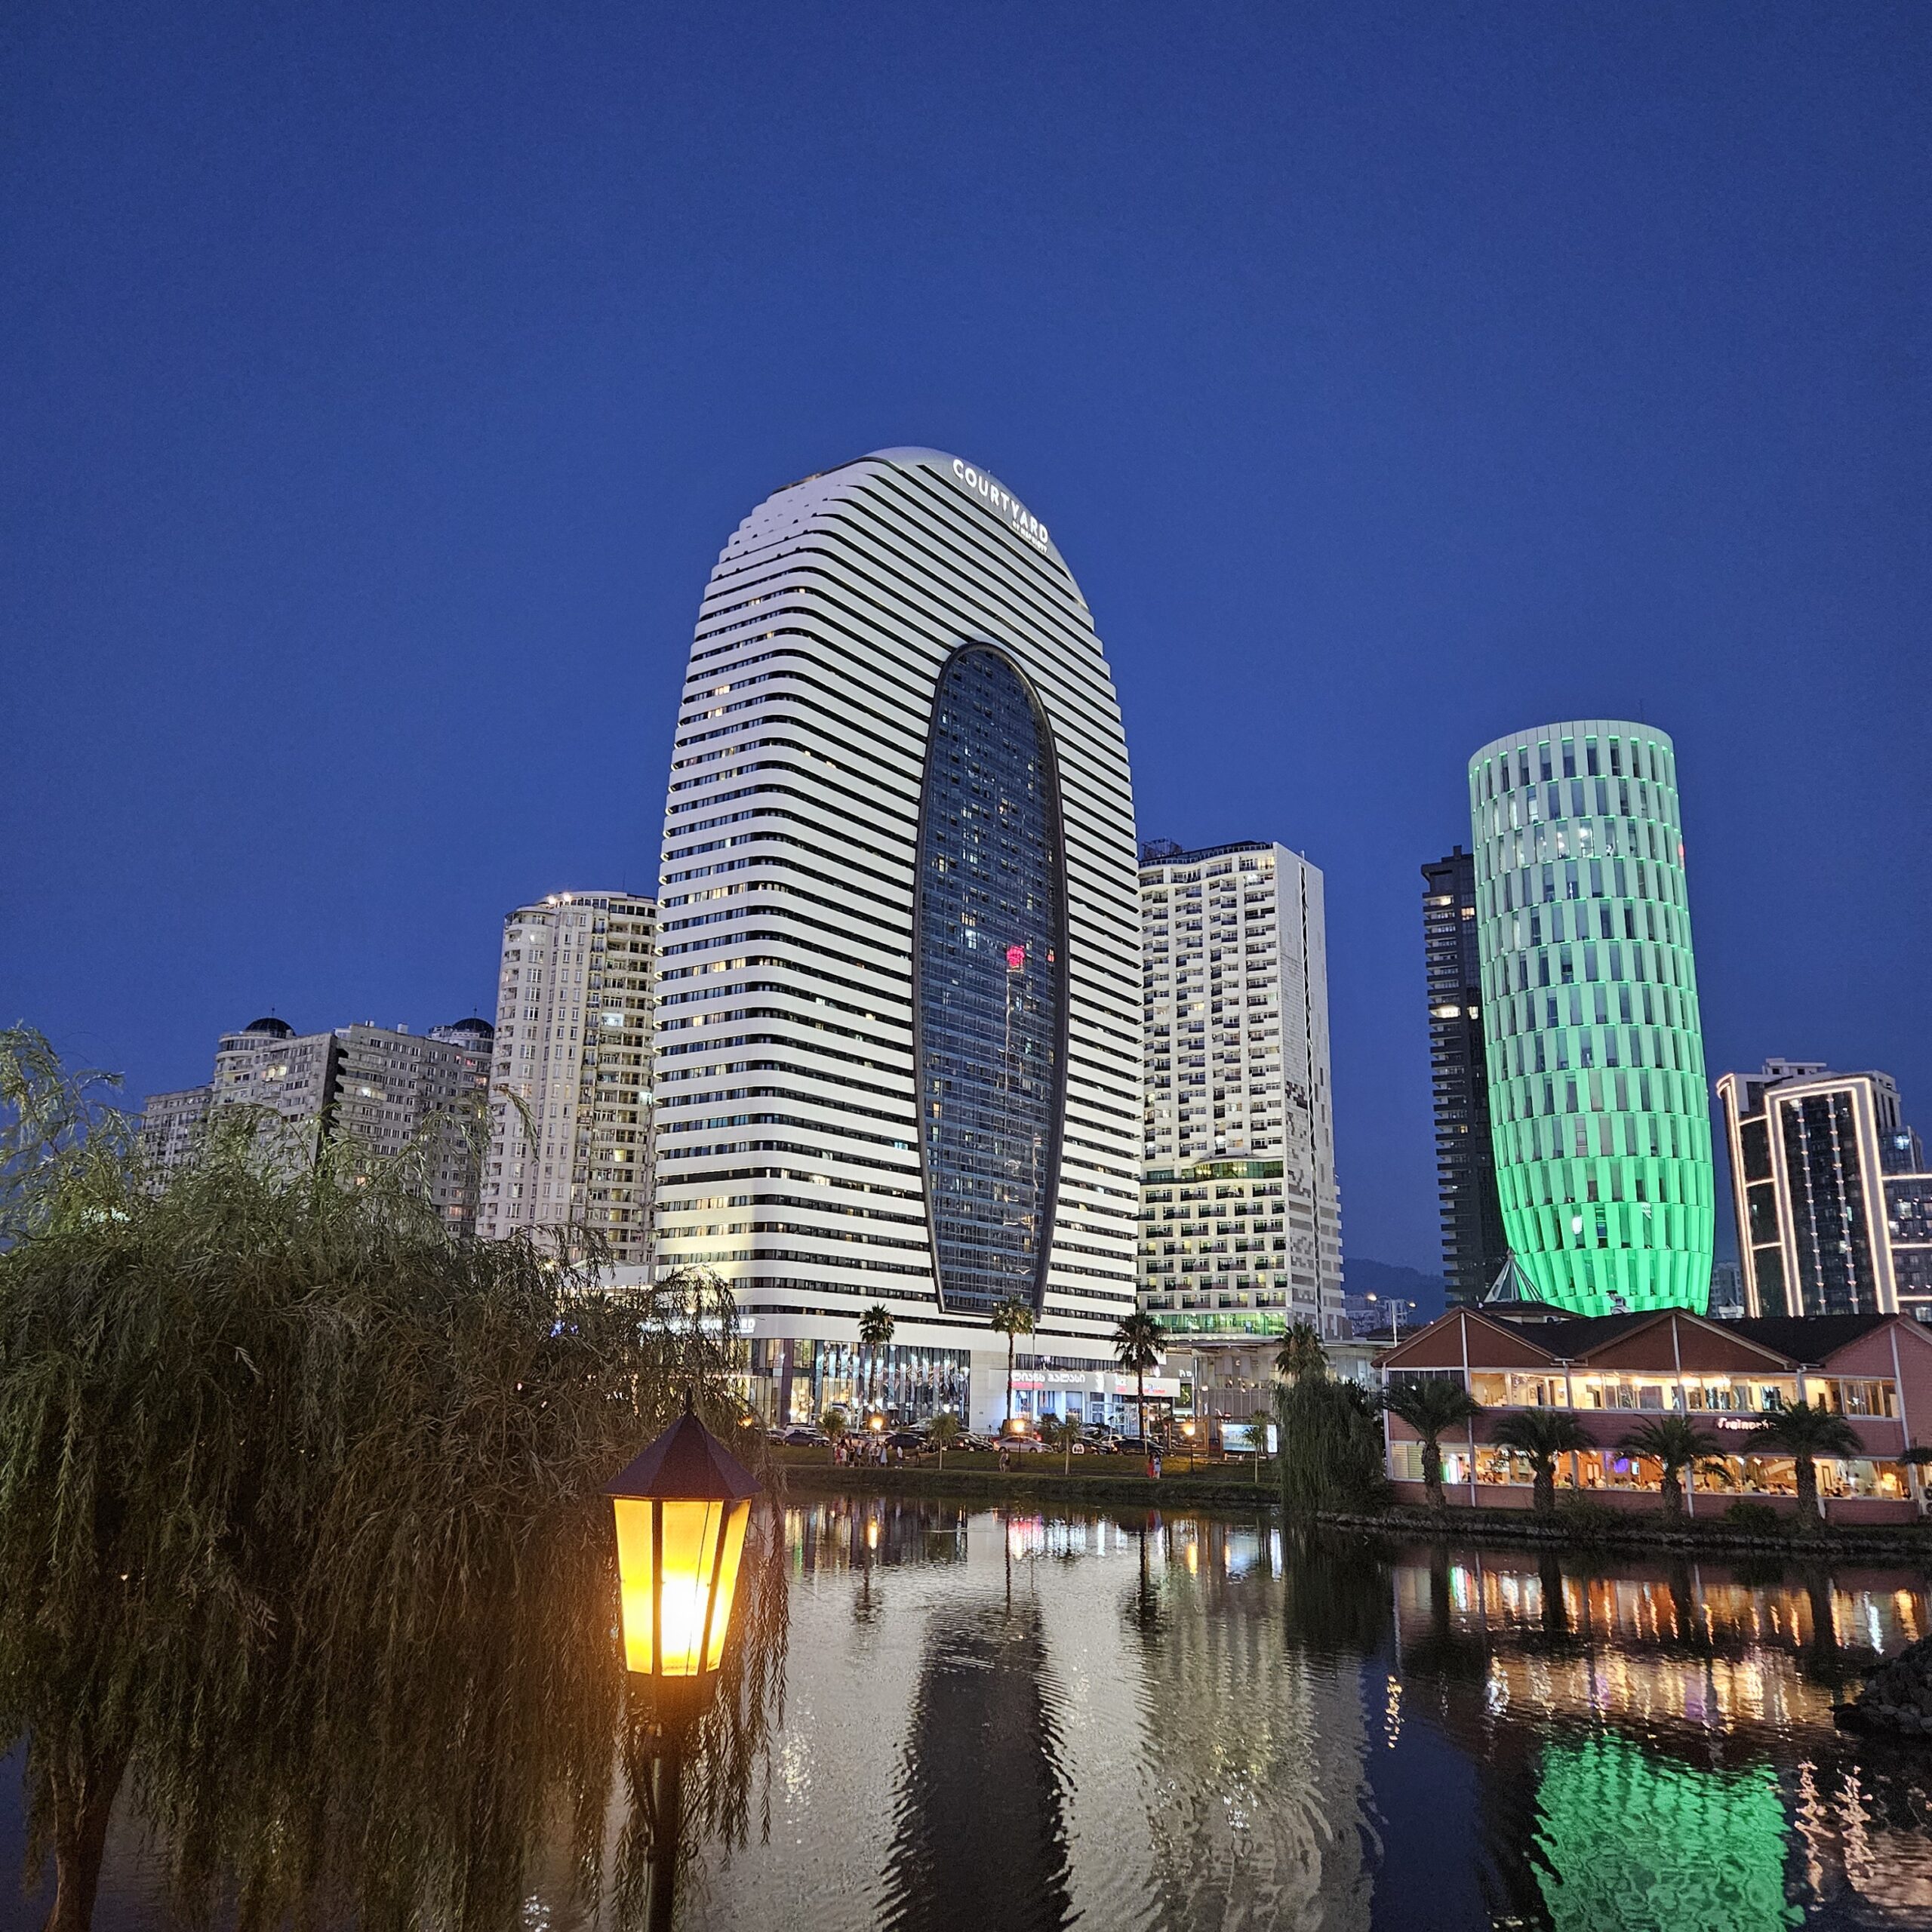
<point x="380" y="383"/>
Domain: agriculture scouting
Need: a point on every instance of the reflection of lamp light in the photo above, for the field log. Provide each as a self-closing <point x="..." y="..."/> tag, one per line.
<point x="681" y="1508"/>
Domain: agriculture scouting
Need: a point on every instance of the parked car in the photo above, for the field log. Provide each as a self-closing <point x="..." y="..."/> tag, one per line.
<point x="800" y="1437"/>
<point x="909" y="1440"/>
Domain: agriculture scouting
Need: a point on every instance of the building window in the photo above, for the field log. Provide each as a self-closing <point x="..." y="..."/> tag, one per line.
<point x="991" y="996"/>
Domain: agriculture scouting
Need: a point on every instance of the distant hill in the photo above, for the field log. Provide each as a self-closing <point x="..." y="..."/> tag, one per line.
<point x="1385" y="1280"/>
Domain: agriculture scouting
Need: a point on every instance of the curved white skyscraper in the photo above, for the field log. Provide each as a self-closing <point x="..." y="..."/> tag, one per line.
<point x="899" y="1043"/>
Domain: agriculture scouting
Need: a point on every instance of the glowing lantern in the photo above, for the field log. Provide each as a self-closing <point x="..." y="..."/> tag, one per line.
<point x="682" y="1510"/>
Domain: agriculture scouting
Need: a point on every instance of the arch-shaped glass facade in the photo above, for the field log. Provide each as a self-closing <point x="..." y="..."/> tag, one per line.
<point x="990" y="993"/>
<point x="1596" y="1051"/>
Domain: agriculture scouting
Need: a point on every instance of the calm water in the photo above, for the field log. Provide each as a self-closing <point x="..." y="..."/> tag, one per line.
<point x="1019" y="1722"/>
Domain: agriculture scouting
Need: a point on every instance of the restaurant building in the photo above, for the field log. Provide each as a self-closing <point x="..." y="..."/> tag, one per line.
<point x="1613" y="1373"/>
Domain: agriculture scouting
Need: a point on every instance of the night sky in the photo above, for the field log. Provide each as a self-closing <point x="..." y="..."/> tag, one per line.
<point x="380" y="383"/>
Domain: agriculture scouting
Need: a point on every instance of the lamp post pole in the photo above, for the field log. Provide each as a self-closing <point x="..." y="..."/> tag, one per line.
<point x="667" y="1821"/>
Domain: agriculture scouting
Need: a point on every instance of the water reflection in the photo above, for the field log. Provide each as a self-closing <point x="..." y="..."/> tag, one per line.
<point x="1015" y="1721"/>
<point x="1168" y="1722"/>
<point x="980" y="1769"/>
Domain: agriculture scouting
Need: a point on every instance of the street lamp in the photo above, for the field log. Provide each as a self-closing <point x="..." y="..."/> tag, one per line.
<point x="681" y="1508"/>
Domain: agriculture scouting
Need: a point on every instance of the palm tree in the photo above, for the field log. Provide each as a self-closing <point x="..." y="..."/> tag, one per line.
<point x="943" y="1433"/>
<point x="1012" y="1318"/>
<point x="1676" y="1443"/>
<point x="1301" y="1353"/>
<point x="1543" y="1434"/>
<point x="1431" y="1405"/>
<point x="833" y="1422"/>
<point x="1804" y="1433"/>
<point x="875" y="1327"/>
<point x="1061" y="1432"/>
<point x="1139" y="1346"/>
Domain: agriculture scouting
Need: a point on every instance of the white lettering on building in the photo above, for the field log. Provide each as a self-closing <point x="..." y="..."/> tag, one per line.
<point x="996" y="499"/>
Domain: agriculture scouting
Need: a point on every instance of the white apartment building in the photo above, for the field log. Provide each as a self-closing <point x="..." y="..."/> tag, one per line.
<point x="898" y="1038"/>
<point x="1241" y="1215"/>
<point x="569" y="1094"/>
<point x="171" y="1123"/>
<point x="376" y="1086"/>
<point x="390" y="1081"/>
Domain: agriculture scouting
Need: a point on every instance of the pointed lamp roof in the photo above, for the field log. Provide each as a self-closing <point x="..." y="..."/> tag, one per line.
<point x="686" y="1462"/>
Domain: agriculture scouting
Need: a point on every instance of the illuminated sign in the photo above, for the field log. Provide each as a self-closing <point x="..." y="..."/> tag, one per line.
<point x="1016" y="957"/>
<point x="1014" y="512"/>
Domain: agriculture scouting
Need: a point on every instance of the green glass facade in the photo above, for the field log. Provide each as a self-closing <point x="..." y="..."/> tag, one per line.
<point x="1602" y="1130"/>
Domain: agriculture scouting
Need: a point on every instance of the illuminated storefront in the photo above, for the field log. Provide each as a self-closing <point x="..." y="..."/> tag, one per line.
<point x="1613" y="1372"/>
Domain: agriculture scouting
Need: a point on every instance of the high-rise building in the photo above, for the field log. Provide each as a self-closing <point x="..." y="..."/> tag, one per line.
<point x="172" y="1123"/>
<point x="1601" y="1133"/>
<point x="1240" y="1229"/>
<point x="1833" y="1202"/>
<point x="898" y="1035"/>
<point x="570" y="1092"/>
<point x="389" y="1082"/>
<point x="1474" y="1250"/>
<point x="375" y="1087"/>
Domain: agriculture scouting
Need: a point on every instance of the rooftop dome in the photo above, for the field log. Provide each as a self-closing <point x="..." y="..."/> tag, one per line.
<point x="477" y="1028"/>
<point x="280" y="1029"/>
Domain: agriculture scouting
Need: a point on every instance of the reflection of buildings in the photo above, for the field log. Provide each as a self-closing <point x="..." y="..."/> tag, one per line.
<point x="1257" y="1818"/>
<point x="825" y="1538"/>
<point x="1673" y="1743"/>
<point x="979" y="1834"/>
<point x="1834" y="1203"/>
<point x="1215" y="1725"/>
<point x="1614" y="1817"/>
<point x="1615" y="1372"/>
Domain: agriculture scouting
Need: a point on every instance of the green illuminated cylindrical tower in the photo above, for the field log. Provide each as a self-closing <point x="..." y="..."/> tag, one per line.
<point x="1601" y="1130"/>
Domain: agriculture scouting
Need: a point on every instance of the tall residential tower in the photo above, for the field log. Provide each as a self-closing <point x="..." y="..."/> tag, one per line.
<point x="1242" y="1218"/>
<point x="570" y="1092"/>
<point x="378" y="1090"/>
<point x="899" y="1027"/>
<point x="1473" y="1250"/>
<point x="1589" y="1008"/>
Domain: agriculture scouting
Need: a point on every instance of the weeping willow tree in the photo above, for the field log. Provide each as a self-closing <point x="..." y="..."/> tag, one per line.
<point x="304" y="1556"/>
<point x="1331" y="1444"/>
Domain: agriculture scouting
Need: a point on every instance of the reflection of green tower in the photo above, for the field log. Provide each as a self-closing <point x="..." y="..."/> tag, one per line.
<point x="1626" y="1839"/>
<point x="1602" y="1131"/>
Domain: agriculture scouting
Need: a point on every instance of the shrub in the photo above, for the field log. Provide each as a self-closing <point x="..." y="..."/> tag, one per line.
<point x="1757" y="1519"/>
<point x="1584" y="1518"/>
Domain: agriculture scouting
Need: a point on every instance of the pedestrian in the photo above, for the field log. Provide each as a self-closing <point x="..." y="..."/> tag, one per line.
<point x="1154" y="1464"/>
